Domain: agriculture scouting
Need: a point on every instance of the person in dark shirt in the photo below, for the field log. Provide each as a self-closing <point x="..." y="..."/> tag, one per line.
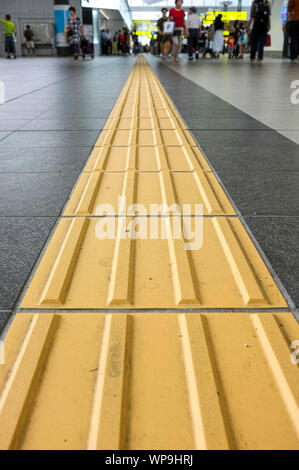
<point x="260" y="17"/>
<point x="164" y="39"/>
<point x="28" y="34"/>
<point x="293" y="18"/>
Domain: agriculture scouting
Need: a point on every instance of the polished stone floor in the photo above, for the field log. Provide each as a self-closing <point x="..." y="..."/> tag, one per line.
<point x="240" y="114"/>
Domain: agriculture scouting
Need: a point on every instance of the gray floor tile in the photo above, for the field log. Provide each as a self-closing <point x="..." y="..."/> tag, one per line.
<point x="51" y="138"/>
<point x="4" y="134"/>
<point x="61" y="124"/>
<point x="278" y="237"/>
<point x="47" y="159"/>
<point x="276" y="194"/>
<point x="19" y="113"/>
<point x="223" y="123"/>
<point x="21" y="240"/>
<point x="260" y="169"/>
<point x="259" y="151"/>
<point x="11" y="124"/>
<point x="4" y="316"/>
<point x="34" y="194"/>
<point x="76" y="113"/>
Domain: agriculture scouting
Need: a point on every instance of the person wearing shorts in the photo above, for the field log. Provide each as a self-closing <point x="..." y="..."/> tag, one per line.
<point x="164" y="39"/>
<point x="28" y="34"/>
<point x="177" y="15"/>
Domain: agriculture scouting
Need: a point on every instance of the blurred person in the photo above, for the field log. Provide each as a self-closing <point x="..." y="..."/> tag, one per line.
<point x="235" y="31"/>
<point x="74" y="32"/>
<point x="115" y="44"/>
<point x="108" y="42"/>
<point x="163" y="38"/>
<point x="103" y="42"/>
<point x="260" y="17"/>
<point x="120" y="40"/>
<point x="231" y="46"/>
<point x="293" y="25"/>
<point x="28" y="34"/>
<point x="9" y="33"/>
<point x="242" y="41"/>
<point x="126" y="41"/>
<point x="193" y="23"/>
<point x="208" y="47"/>
<point x="218" y="39"/>
<point x="202" y="38"/>
<point x="177" y="15"/>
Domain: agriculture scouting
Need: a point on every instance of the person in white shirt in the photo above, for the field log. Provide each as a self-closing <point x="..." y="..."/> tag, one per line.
<point x="193" y="23"/>
<point x="108" y="42"/>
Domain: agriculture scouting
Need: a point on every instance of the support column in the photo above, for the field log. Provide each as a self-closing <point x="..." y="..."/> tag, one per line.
<point x="277" y="36"/>
<point x="96" y="31"/>
<point x="61" y="15"/>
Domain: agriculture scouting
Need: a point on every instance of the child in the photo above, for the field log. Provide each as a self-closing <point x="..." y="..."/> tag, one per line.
<point x="230" y="46"/>
<point x="208" y="45"/>
<point x="242" y="40"/>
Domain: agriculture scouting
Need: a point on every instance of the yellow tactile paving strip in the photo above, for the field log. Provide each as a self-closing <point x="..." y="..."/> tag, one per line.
<point x="80" y="271"/>
<point x="147" y="155"/>
<point x="149" y="380"/>
<point x="139" y="381"/>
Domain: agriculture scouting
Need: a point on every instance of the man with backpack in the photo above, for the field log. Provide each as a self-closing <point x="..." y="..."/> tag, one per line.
<point x="293" y="17"/>
<point x="260" y="16"/>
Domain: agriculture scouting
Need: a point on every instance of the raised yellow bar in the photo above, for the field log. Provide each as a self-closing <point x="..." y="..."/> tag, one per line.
<point x="150" y="381"/>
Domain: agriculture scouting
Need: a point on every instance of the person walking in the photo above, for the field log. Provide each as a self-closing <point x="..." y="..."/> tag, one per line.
<point x="163" y="38"/>
<point x="293" y="19"/>
<point x="9" y="32"/>
<point x="235" y="33"/>
<point x="108" y="42"/>
<point x="177" y="15"/>
<point x="115" y="44"/>
<point x="193" y="23"/>
<point x="28" y="34"/>
<point x="242" y="40"/>
<point x="218" y="40"/>
<point x="74" y="32"/>
<point x="260" y="17"/>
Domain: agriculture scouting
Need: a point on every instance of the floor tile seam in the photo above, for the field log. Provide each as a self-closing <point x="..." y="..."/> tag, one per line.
<point x="128" y="310"/>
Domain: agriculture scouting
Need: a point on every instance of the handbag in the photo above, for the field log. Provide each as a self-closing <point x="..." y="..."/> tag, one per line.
<point x="268" y="40"/>
<point x="168" y="27"/>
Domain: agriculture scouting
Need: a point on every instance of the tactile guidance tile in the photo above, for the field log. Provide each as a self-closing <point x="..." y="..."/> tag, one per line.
<point x="154" y="158"/>
<point x="150" y="381"/>
<point x="148" y="189"/>
<point x="152" y="263"/>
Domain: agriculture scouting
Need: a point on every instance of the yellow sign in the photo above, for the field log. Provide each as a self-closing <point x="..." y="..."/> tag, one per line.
<point x="227" y="16"/>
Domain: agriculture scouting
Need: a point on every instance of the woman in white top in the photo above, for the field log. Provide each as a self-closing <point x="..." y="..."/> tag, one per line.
<point x="218" y="40"/>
